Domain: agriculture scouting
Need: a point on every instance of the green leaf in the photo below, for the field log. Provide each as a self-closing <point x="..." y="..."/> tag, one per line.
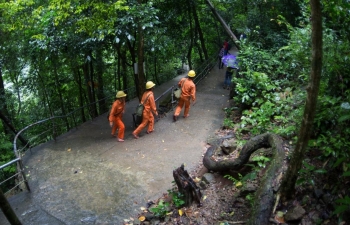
<point x="340" y="160"/>
<point x="346" y="174"/>
<point x="343" y="118"/>
<point x="308" y="166"/>
<point x="321" y="171"/>
<point x="340" y="209"/>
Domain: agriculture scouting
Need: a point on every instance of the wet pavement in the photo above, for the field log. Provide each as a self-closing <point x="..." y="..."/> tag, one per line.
<point x="87" y="177"/>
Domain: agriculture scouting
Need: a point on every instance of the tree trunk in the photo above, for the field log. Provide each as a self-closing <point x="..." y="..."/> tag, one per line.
<point x="187" y="186"/>
<point x="200" y="33"/>
<point x="3" y="103"/>
<point x="4" y="113"/>
<point x="140" y="76"/>
<point x="77" y="78"/>
<point x="191" y="33"/>
<point x="9" y="125"/>
<point x="223" y="23"/>
<point x="58" y="89"/>
<point x="100" y="92"/>
<point x="92" y="86"/>
<point x="8" y="211"/>
<point x="88" y="85"/>
<point x="288" y="182"/>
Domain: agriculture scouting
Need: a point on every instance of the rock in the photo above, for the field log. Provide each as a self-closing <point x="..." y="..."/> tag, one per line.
<point x="149" y="216"/>
<point x="248" y="188"/>
<point x="327" y="199"/>
<point x="318" y="193"/>
<point x="295" y="213"/>
<point x="203" y="185"/>
<point x="228" y="146"/>
<point x="314" y="216"/>
<point x="155" y="221"/>
<point x="208" y="178"/>
<point x="213" y="141"/>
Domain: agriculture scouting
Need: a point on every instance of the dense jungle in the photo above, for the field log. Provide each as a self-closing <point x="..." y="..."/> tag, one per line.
<point x="292" y="88"/>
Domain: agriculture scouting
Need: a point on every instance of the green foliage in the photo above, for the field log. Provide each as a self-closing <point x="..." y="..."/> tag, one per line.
<point x="342" y="205"/>
<point x="230" y="177"/>
<point x="261" y="160"/>
<point x="177" y="198"/>
<point x="6" y="155"/>
<point x="307" y="173"/>
<point x="240" y="181"/>
<point x="228" y="123"/>
<point x="250" y="198"/>
<point x="161" y="209"/>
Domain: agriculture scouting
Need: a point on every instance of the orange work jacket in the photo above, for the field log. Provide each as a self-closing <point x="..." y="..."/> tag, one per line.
<point x="150" y="104"/>
<point x="117" y="109"/>
<point x="188" y="88"/>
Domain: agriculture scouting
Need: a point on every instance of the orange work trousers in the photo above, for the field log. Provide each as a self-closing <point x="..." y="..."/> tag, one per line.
<point x="182" y="101"/>
<point x="118" y="123"/>
<point x="147" y="118"/>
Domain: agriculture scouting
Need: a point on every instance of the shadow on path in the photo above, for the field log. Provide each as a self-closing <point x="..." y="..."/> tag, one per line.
<point x="87" y="177"/>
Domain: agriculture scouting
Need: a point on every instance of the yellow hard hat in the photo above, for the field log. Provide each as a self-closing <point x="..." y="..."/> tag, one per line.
<point x="150" y="85"/>
<point x="191" y="73"/>
<point x="120" y="94"/>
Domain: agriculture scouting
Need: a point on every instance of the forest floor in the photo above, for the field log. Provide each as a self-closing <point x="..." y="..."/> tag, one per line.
<point x="224" y="201"/>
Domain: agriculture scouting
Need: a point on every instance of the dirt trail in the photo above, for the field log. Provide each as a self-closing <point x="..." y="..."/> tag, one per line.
<point x="87" y="177"/>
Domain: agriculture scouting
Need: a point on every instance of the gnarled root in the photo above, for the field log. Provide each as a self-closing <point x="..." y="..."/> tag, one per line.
<point x="268" y="186"/>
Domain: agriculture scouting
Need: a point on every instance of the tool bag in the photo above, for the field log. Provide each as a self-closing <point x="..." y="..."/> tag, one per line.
<point x="178" y="91"/>
<point x="140" y="107"/>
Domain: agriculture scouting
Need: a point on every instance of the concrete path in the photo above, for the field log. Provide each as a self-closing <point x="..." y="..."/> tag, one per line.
<point x="87" y="177"/>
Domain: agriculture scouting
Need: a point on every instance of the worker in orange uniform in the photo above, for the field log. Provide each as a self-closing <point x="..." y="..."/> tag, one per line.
<point x="116" y="116"/>
<point x="150" y="108"/>
<point x="188" y="92"/>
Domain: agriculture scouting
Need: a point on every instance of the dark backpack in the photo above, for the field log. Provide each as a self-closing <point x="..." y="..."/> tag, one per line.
<point x="229" y="46"/>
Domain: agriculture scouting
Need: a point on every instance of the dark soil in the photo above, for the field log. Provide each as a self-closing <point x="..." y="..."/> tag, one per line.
<point x="223" y="203"/>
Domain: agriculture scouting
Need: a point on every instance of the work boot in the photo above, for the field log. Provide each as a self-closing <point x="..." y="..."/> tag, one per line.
<point x="174" y="118"/>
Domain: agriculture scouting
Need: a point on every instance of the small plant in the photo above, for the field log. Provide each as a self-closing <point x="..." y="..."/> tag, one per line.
<point x="228" y="123"/>
<point x="177" y="198"/>
<point x="261" y="160"/>
<point x="306" y="174"/>
<point x="161" y="209"/>
<point x="342" y="205"/>
<point x="250" y="198"/>
<point x="229" y="110"/>
<point x="238" y="182"/>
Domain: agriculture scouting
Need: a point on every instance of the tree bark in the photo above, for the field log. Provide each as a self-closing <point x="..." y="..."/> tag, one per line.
<point x="100" y="85"/>
<point x="191" y="33"/>
<point x="223" y="23"/>
<point x="3" y="103"/>
<point x="187" y="186"/>
<point x="9" y="125"/>
<point x="8" y="211"/>
<point x="200" y="33"/>
<point x="288" y="182"/>
<point x="140" y="76"/>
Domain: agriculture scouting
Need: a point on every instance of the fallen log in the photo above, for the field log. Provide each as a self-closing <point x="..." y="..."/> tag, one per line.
<point x="269" y="185"/>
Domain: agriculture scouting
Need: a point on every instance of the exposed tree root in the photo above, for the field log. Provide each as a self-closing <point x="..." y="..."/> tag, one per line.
<point x="264" y="198"/>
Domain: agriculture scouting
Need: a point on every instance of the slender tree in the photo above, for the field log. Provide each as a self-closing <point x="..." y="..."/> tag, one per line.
<point x="288" y="183"/>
